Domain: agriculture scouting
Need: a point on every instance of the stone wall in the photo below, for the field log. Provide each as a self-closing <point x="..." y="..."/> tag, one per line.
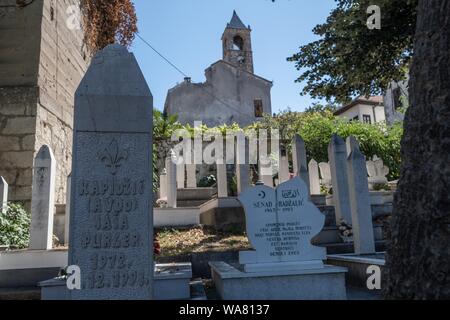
<point x="39" y="109"/>
<point x="63" y="62"/>
<point x="17" y="139"/>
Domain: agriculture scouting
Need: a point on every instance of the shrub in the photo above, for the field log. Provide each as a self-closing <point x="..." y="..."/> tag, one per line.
<point x="15" y="226"/>
<point x="207" y="182"/>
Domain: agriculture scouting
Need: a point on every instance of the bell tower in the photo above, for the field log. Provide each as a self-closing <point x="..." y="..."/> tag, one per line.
<point x="237" y="44"/>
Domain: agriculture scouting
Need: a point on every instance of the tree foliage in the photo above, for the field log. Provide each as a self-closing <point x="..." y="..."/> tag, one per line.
<point x="15" y="226"/>
<point x="108" y="21"/>
<point x="349" y="59"/>
<point x="317" y="128"/>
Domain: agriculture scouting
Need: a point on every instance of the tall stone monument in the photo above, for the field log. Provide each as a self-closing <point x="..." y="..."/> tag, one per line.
<point x="364" y="240"/>
<point x="111" y="227"/>
<point x="300" y="160"/>
<point x="43" y="200"/>
<point x="314" y="180"/>
<point x="337" y="153"/>
<point x="171" y="168"/>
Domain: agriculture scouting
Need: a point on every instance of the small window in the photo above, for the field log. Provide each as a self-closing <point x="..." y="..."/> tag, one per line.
<point x="354" y="119"/>
<point x="367" y="119"/>
<point x="238" y="43"/>
<point x="258" y="108"/>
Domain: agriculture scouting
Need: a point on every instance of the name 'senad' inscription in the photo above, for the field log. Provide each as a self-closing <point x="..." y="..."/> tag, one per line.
<point x="283" y="237"/>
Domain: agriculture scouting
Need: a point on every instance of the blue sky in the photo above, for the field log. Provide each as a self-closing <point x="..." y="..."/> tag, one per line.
<point x="188" y="33"/>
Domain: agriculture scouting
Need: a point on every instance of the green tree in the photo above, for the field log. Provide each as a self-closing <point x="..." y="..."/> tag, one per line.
<point x="318" y="107"/>
<point x="15" y="226"/>
<point x="349" y="59"/>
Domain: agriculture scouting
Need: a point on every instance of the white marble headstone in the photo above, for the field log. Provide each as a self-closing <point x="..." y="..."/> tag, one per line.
<point x="280" y="225"/>
<point x="43" y="200"/>
<point x="3" y="194"/>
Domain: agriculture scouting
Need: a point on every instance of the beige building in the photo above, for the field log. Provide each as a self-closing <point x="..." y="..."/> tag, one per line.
<point x="42" y="60"/>
<point x="365" y="110"/>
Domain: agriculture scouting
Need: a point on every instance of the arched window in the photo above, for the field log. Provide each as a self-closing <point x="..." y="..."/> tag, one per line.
<point x="238" y="43"/>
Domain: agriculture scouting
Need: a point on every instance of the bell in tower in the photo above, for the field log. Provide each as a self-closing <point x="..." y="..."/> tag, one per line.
<point x="237" y="44"/>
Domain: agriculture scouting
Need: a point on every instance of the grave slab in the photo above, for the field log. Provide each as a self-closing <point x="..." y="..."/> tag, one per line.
<point x="233" y="283"/>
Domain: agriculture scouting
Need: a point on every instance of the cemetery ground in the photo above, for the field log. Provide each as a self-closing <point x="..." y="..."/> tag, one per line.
<point x="183" y="241"/>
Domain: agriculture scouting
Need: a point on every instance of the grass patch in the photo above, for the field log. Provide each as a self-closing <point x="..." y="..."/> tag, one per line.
<point x="198" y="239"/>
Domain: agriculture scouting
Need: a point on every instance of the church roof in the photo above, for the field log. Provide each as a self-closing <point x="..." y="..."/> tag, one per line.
<point x="233" y="66"/>
<point x="236" y="22"/>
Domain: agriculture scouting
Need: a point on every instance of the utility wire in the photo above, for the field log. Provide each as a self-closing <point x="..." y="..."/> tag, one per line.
<point x="160" y="54"/>
<point x="186" y="76"/>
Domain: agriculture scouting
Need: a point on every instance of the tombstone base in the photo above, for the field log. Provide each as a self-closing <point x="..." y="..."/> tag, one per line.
<point x="233" y="283"/>
<point x="282" y="266"/>
<point x="171" y="282"/>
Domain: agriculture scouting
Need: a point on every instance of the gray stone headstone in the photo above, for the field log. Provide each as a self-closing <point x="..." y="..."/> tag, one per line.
<point x="325" y="173"/>
<point x="111" y="227"/>
<point x="222" y="185"/>
<point x="163" y="185"/>
<point x="299" y="159"/>
<point x="191" y="170"/>
<point x="377" y="172"/>
<point x="280" y="225"/>
<point x="171" y="168"/>
<point x="284" y="174"/>
<point x="242" y="163"/>
<point x="266" y="172"/>
<point x="361" y="211"/>
<point x="180" y="176"/>
<point x="314" y="180"/>
<point x="337" y="153"/>
<point x="67" y="214"/>
<point x="3" y="194"/>
<point x="351" y="143"/>
<point x="43" y="200"/>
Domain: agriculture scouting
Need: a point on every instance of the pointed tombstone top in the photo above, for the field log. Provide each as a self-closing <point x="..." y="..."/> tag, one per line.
<point x="337" y="144"/>
<point x="236" y="22"/>
<point x="313" y="162"/>
<point x="337" y="140"/>
<point x="298" y="139"/>
<point x="45" y="153"/>
<point x="356" y="154"/>
<point x="113" y="95"/>
<point x="352" y="143"/>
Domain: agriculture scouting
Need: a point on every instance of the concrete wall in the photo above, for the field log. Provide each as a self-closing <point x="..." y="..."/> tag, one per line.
<point x="36" y="107"/>
<point x="227" y="96"/>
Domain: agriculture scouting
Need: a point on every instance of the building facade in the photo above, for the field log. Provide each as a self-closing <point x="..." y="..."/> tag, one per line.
<point x="41" y="64"/>
<point x="365" y="110"/>
<point x="232" y="93"/>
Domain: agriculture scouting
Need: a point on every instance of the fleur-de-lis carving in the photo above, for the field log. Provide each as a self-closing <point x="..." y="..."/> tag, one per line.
<point x="112" y="157"/>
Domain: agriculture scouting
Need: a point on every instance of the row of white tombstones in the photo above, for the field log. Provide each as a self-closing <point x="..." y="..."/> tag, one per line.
<point x="332" y="174"/>
<point x="316" y="175"/>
